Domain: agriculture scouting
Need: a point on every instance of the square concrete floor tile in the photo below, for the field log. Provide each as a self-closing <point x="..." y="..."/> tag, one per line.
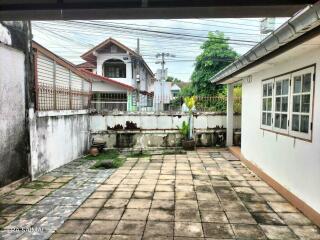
<point x="116" y="203"/>
<point x="215" y="217"/>
<point x="188" y="229"/>
<point x="163" y="204"/>
<point x="163" y="195"/>
<point x="186" y="196"/>
<point x="307" y="232"/>
<point x="107" y="187"/>
<point x="42" y="192"/>
<point x="103" y="195"/>
<point x="203" y="196"/>
<point x="166" y="177"/>
<point x="210" y="205"/>
<point x="102" y="227"/>
<point x="145" y="188"/>
<point x="30" y="200"/>
<point x="95" y="237"/>
<point x="94" y="202"/>
<point x="121" y="195"/>
<point x="234" y="206"/>
<point x="268" y="219"/>
<point x="110" y="214"/>
<point x="130" y="228"/>
<point x="61" y="236"/>
<point x="139" y="203"/>
<point x="282" y="207"/>
<point x="278" y="232"/>
<point x="244" y="231"/>
<point x="184" y="188"/>
<point x="142" y="195"/>
<point x="258" y="207"/>
<point x="187" y="215"/>
<point x="148" y="182"/>
<point x="166" y="182"/>
<point x="135" y="214"/>
<point x="155" y="229"/>
<point x="217" y="231"/>
<point x="159" y="238"/>
<point x="74" y="226"/>
<point x="186" y="204"/>
<point x="184" y="182"/>
<point x="240" y="217"/>
<point x="164" y="188"/>
<point x="295" y="219"/>
<point x="273" y="198"/>
<point x="161" y="215"/>
<point x="84" y="213"/>
<point x="125" y="237"/>
<point x="126" y="188"/>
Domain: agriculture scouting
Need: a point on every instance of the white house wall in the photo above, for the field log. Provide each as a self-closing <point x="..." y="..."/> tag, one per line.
<point x="102" y="57"/>
<point x="293" y="163"/>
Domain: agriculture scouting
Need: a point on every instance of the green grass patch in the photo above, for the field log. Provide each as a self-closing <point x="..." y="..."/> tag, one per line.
<point x="107" y="159"/>
<point x="109" y="154"/>
<point x="36" y="185"/>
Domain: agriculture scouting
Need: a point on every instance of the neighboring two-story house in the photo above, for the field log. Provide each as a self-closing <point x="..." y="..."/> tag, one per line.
<point x="121" y="78"/>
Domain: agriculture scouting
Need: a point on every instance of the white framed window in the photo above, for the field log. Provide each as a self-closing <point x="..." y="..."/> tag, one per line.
<point x="281" y="103"/>
<point x="267" y="99"/>
<point x="287" y="103"/>
<point x="301" y="103"/>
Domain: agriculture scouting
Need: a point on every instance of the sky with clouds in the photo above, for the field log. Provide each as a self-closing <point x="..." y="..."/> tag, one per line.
<point x="180" y="37"/>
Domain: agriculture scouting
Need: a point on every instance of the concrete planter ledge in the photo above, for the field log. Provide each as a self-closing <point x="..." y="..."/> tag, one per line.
<point x="61" y="113"/>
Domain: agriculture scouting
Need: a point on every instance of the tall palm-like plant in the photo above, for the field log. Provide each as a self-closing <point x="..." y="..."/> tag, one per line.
<point x="190" y="103"/>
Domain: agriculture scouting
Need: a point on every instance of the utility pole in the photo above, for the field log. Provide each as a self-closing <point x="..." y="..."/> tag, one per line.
<point x="138" y="77"/>
<point x="162" y="78"/>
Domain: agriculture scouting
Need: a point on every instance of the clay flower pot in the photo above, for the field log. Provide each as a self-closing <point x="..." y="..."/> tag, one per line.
<point x="188" y="144"/>
<point x="94" y="151"/>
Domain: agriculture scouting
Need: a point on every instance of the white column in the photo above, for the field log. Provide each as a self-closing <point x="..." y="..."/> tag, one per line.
<point x="230" y="116"/>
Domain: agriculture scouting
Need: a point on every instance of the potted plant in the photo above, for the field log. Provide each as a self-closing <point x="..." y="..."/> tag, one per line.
<point x="188" y="143"/>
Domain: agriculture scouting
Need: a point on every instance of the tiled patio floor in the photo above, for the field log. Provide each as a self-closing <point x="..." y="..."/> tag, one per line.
<point x="206" y="194"/>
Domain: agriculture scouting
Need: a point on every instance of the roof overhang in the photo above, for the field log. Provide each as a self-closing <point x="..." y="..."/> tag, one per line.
<point x="146" y="9"/>
<point x="300" y="28"/>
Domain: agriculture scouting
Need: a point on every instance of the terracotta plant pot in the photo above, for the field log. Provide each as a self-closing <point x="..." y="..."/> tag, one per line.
<point x="94" y="151"/>
<point x="188" y="144"/>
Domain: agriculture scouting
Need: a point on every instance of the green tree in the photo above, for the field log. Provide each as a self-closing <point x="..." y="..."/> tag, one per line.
<point x="216" y="55"/>
<point x="173" y="79"/>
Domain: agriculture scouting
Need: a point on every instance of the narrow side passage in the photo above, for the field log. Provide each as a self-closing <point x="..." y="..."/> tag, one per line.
<point x="208" y="194"/>
<point x="46" y="203"/>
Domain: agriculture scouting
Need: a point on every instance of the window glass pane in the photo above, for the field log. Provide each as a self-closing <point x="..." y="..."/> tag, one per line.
<point x="278" y="88"/>
<point x="278" y="104"/>
<point x="304" y="124"/>
<point x="296" y="104"/>
<point x="284" y="104"/>
<point x="269" y="104"/>
<point x="269" y="119"/>
<point x="305" y="103"/>
<point x="264" y="104"/>
<point x="269" y="89"/>
<point x="264" y="116"/>
<point x="295" y="122"/>
<point x="277" y="120"/>
<point x="306" y="84"/>
<point x="264" y="90"/>
<point x="285" y="87"/>
<point x="297" y="84"/>
<point x="284" y="121"/>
